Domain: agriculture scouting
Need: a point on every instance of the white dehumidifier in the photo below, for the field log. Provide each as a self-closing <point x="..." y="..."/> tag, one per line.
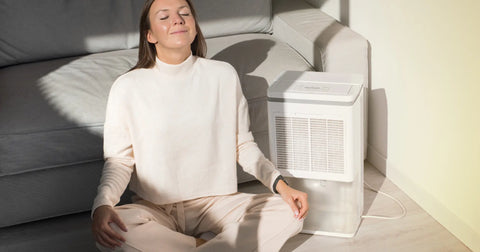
<point x="316" y="141"/>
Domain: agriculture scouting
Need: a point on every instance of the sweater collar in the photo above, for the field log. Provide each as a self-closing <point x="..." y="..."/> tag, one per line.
<point x="175" y="69"/>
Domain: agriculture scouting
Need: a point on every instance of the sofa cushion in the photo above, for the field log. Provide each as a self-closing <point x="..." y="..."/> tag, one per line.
<point x="48" y="193"/>
<point x="52" y="112"/>
<point x="48" y="29"/>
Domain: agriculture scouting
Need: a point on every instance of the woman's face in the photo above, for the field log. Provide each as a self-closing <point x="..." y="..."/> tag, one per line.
<point x="172" y="26"/>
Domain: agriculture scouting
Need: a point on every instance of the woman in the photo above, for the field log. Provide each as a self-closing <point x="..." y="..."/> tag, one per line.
<point x="176" y="125"/>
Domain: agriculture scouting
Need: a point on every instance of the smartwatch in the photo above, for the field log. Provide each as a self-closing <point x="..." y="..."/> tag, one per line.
<point x="280" y="177"/>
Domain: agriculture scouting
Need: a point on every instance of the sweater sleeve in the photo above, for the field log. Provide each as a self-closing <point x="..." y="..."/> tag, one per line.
<point x="118" y="152"/>
<point x="249" y="156"/>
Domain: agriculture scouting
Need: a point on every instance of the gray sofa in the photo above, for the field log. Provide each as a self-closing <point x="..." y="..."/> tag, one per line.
<point x="58" y="59"/>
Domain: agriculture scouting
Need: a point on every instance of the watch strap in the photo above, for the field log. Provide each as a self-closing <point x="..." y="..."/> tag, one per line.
<point x="280" y="177"/>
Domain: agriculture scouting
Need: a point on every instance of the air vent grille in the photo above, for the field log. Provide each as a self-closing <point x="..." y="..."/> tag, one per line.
<point x="310" y="144"/>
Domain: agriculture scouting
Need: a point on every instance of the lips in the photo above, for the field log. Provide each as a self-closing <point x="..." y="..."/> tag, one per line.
<point x="178" y="32"/>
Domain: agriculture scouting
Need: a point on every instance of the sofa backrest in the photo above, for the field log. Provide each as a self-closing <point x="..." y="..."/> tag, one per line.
<point x="41" y="30"/>
<point x="227" y="17"/>
<point x="47" y="29"/>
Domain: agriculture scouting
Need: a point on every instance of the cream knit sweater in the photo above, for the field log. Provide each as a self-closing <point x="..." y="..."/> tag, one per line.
<point x="175" y="132"/>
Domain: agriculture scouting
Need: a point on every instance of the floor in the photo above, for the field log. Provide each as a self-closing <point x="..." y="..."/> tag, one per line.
<point x="417" y="231"/>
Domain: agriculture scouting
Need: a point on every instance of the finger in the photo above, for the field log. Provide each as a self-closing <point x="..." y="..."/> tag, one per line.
<point x="114" y="234"/>
<point x="294" y="207"/>
<point x="116" y="219"/>
<point x="304" y="207"/>
<point x="103" y="242"/>
<point x="100" y="240"/>
<point x="303" y="213"/>
<point x="298" y="202"/>
<point x="111" y="242"/>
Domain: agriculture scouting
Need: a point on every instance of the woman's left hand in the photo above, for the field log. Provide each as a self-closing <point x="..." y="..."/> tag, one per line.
<point x="297" y="200"/>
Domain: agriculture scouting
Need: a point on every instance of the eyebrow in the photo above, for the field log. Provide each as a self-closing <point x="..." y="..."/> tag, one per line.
<point x="179" y="8"/>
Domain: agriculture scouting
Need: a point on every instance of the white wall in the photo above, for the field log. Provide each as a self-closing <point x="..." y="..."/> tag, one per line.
<point x="424" y="125"/>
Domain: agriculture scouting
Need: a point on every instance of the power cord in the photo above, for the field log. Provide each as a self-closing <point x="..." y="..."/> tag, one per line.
<point x="404" y="211"/>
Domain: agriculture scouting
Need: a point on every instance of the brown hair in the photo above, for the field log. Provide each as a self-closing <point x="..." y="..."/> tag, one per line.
<point x="146" y="50"/>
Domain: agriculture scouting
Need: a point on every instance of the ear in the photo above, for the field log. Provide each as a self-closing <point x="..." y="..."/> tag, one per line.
<point x="151" y="38"/>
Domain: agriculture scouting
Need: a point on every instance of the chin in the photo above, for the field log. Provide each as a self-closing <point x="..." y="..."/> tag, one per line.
<point x="182" y="44"/>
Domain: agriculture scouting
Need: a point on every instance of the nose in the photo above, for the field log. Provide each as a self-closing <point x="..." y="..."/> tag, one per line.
<point x="178" y="19"/>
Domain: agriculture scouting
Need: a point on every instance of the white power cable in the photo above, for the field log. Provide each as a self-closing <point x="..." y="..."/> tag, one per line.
<point x="404" y="211"/>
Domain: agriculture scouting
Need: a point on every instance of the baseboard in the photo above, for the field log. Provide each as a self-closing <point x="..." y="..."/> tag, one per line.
<point x="377" y="159"/>
<point x="432" y="206"/>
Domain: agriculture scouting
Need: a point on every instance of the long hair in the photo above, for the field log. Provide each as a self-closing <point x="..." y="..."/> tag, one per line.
<point x="147" y="52"/>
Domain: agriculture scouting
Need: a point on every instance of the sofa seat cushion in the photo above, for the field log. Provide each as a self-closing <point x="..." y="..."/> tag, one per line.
<point x="48" y="193"/>
<point x="52" y="112"/>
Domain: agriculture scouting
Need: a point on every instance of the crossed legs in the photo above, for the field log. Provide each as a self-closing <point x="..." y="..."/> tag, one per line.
<point x="242" y="222"/>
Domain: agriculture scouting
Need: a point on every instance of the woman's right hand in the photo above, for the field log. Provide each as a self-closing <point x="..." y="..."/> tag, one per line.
<point x="103" y="233"/>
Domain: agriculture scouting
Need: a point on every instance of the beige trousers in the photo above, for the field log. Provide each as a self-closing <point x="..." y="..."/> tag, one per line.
<point x="242" y="222"/>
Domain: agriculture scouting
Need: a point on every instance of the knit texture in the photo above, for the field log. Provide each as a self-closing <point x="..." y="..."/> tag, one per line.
<point x="175" y="132"/>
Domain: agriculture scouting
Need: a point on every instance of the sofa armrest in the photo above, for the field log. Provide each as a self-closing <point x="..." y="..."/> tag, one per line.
<point x="326" y="44"/>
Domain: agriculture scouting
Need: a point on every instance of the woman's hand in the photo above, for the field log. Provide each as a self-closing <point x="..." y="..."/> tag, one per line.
<point x="297" y="200"/>
<point x="103" y="233"/>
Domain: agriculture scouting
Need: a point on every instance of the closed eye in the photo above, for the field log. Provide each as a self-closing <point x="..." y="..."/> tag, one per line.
<point x="181" y="14"/>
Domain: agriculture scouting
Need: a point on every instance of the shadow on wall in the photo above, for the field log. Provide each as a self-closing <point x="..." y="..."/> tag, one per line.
<point x="378" y="136"/>
<point x="345" y="12"/>
<point x="378" y="124"/>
